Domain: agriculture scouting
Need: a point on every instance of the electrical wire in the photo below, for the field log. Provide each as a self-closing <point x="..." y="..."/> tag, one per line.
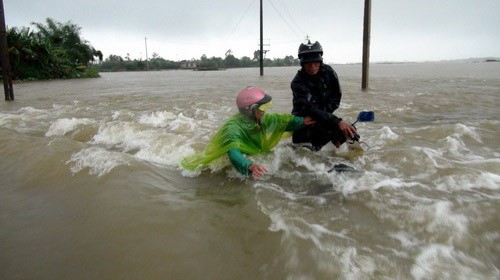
<point x="286" y="22"/>
<point x="241" y="19"/>
<point x="285" y="8"/>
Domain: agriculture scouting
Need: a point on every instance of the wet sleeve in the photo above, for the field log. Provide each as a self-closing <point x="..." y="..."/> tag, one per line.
<point x="239" y="161"/>
<point x="334" y="100"/>
<point x="301" y="96"/>
<point x="295" y="123"/>
<point x="302" y="105"/>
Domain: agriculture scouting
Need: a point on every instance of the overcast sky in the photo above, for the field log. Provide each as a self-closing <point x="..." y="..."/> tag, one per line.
<point x="402" y="30"/>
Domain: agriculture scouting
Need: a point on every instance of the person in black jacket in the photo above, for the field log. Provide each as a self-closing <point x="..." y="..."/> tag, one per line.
<point x="316" y="93"/>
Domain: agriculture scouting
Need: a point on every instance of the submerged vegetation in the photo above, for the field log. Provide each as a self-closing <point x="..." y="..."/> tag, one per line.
<point x="50" y="50"/>
<point x="55" y="50"/>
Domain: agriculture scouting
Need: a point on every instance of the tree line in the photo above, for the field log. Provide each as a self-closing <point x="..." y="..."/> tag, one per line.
<point x="118" y="63"/>
<point x="156" y="62"/>
<point x="53" y="50"/>
<point x="50" y="50"/>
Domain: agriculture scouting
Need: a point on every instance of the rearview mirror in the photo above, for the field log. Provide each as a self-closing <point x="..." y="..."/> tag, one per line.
<point x="365" y="116"/>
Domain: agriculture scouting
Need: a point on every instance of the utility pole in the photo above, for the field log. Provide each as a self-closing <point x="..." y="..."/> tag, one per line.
<point x="261" y="41"/>
<point x="366" y="44"/>
<point x="4" y="56"/>
<point x="146" y="44"/>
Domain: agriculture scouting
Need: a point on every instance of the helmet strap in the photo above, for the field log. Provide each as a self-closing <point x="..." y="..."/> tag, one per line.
<point x="250" y="111"/>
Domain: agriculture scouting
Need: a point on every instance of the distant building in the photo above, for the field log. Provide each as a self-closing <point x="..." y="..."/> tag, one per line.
<point x="189" y="65"/>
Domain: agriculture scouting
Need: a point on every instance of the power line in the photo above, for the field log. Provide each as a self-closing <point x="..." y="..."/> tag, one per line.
<point x="286" y="22"/>
<point x="241" y="19"/>
<point x="285" y="8"/>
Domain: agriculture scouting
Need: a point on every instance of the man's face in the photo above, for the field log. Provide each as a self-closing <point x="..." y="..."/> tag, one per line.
<point x="312" y="68"/>
<point x="259" y="114"/>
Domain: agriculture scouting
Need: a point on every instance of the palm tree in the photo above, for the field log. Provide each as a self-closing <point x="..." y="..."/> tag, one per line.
<point x="56" y="50"/>
<point x="28" y="57"/>
<point x="64" y="40"/>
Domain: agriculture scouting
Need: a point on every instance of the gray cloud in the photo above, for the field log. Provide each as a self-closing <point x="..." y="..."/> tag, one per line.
<point x="401" y="30"/>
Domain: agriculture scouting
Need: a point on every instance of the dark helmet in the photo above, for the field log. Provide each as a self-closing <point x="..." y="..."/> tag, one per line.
<point x="310" y="52"/>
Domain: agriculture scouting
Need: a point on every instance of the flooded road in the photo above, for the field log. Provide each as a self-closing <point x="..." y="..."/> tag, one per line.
<point x="92" y="186"/>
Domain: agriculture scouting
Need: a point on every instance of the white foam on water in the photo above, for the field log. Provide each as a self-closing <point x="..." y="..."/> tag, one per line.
<point x="63" y="109"/>
<point x="159" y="137"/>
<point x="31" y="111"/>
<point x="285" y="158"/>
<point x="182" y="124"/>
<point x="456" y="147"/>
<point x="394" y="183"/>
<point x="432" y="157"/>
<point x="158" y="119"/>
<point x="99" y="161"/>
<point x="464" y="130"/>
<point x="444" y="222"/>
<point x="190" y="173"/>
<point x="387" y="134"/>
<point x="123" y="135"/>
<point x="384" y="137"/>
<point x="489" y="180"/>
<point x="153" y="143"/>
<point x="384" y="167"/>
<point x="406" y="240"/>
<point x="455" y="144"/>
<point x="6" y="119"/>
<point x="26" y="119"/>
<point x="469" y="181"/>
<point x="288" y="195"/>
<point x="355" y="266"/>
<point x="437" y="261"/>
<point x="283" y="208"/>
<point x="369" y="181"/>
<point x="62" y="126"/>
<point x="123" y="115"/>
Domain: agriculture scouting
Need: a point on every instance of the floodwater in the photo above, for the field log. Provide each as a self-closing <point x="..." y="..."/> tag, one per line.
<point x="91" y="186"/>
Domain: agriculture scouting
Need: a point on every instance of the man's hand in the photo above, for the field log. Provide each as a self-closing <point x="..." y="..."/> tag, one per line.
<point x="257" y="170"/>
<point x="308" y="121"/>
<point x="347" y="129"/>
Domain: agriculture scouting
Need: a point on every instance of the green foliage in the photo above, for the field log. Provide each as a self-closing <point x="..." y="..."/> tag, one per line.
<point x="51" y="50"/>
<point x="91" y="72"/>
<point x="55" y="50"/>
<point x="117" y="63"/>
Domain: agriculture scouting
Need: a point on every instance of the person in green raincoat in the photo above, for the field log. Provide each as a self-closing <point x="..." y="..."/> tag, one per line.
<point x="249" y="132"/>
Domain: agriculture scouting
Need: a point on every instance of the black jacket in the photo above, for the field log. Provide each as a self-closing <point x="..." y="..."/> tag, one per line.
<point x="317" y="96"/>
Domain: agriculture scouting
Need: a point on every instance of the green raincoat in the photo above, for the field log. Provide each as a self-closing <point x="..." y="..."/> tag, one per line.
<point x="240" y="135"/>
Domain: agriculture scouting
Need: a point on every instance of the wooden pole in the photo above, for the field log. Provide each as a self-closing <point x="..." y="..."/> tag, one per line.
<point x="366" y="44"/>
<point x="146" y="44"/>
<point x="261" y="40"/>
<point x="4" y="56"/>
